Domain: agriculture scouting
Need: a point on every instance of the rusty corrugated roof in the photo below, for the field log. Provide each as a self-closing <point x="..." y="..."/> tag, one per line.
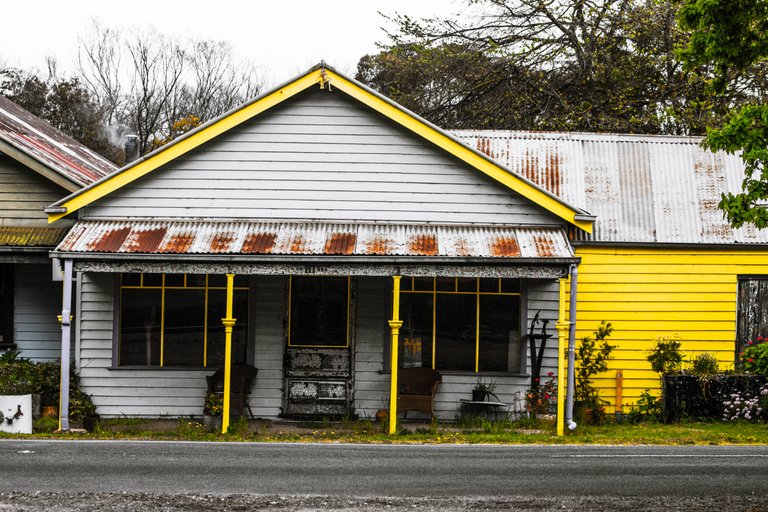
<point x="50" y="146"/>
<point x="12" y="236"/>
<point x="654" y="189"/>
<point x="256" y="238"/>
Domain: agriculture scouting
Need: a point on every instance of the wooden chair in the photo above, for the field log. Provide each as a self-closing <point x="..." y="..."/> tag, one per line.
<point x="241" y="378"/>
<point x="416" y="389"/>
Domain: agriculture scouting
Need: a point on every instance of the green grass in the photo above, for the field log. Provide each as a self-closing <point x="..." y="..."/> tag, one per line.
<point x="477" y="431"/>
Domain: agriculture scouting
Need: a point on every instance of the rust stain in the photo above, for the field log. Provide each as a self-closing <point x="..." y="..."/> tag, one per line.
<point x="145" y="241"/>
<point x="531" y="168"/>
<point x="544" y="246"/>
<point x="378" y="246"/>
<point x="179" y="243"/>
<point x="552" y="174"/>
<point x="341" y="243"/>
<point x="259" y="243"/>
<point x="298" y="245"/>
<point x="505" y="247"/>
<point x="423" y="245"/>
<point x="709" y="205"/>
<point x="221" y="242"/>
<point x="483" y="145"/>
<point x="111" y="241"/>
<point x="463" y="248"/>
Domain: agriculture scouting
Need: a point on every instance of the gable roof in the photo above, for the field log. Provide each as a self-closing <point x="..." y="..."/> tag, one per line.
<point x="47" y="150"/>
<point x="323" y="76"/>
<point x="642" y="188"/>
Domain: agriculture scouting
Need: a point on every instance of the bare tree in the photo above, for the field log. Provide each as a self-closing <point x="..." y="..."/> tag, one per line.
<point x="148" y="83"/>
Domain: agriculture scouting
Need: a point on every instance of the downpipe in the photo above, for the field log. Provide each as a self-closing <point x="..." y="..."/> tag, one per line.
<point x="571" y="350"/>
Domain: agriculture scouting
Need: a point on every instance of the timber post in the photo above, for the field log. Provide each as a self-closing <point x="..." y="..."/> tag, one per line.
<point x="229" y="323"/>
<point x="394" y="326"/>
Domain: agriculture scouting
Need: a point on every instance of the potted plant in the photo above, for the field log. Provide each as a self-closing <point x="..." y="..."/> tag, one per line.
<point x="592" y="357"/>
<point x="483" y="390"/>
<point x="82" y="409"/>
<point x="213" y="410"/>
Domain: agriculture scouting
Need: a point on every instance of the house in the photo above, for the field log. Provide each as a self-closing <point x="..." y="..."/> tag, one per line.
<point x="661" y="259"/>
<point x="310" y="212"/>
<point x="38" y="165"/>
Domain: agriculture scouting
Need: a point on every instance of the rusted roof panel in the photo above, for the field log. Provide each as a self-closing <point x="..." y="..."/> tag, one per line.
<point x="11" y="236"/>
<point x="179" y="237"/>
<point x="651" y="189"/>
<point x="50" y="146"/>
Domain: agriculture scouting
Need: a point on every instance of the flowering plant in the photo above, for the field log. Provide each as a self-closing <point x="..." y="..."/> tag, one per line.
<point x="754" y="357"/>
<point x="542" y="398"/>
<point x="750" y="408"/>
<point x="214" y="404"/>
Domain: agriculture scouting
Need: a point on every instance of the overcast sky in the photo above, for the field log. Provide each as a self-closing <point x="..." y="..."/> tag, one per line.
<point x="282" y="38"/>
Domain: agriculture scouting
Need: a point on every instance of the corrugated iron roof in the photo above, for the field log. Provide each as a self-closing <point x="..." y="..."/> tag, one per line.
<point x="661" y="189"/>
<point x="50" y="146"/>
<point x="12" y="236"/>
<point x="256" y="238"/>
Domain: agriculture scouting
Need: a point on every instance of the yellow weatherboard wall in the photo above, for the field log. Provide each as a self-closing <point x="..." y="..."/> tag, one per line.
<point x="650" y="292"/>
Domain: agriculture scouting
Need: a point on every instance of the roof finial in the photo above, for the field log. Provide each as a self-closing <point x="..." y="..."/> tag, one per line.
<point x="324" y="78"/>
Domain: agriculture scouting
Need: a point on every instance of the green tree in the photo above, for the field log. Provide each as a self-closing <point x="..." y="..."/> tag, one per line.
<point x="731" y="39"/>
<point x="597" y="65"/>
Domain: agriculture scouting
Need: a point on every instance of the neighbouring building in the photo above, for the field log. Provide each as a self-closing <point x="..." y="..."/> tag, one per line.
<point x="38" y="165"/>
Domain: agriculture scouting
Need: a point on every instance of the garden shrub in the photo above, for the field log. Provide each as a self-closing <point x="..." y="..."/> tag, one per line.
<point x="754" y="358"/>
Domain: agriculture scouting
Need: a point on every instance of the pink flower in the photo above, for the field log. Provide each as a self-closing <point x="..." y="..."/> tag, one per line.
<point x="750" y="360"/>
<point x="749" y="343"/>
<point x="759" y="338"/>
<point x="550" y="374"/>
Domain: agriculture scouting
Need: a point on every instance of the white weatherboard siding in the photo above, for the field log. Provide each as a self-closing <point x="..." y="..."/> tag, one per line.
<point x="321" y="156"/>
<point x="24" y="194"/>
<point x="37" y="303"/>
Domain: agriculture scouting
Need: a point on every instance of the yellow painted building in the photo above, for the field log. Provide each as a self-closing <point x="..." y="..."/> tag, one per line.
<point x="661" y="260"/>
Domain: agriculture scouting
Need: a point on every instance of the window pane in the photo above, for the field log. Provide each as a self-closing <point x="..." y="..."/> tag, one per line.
<point x="140" y="327"/>
<point x="183" y="337"/>
<point x="6" y="304"/>
<point x="467" y="284"/>
<point x="152" y="279"/>
<point x="489" y="285"/>
<point x="445" y="284"/>
<point x="216" y="311"/>
<point x="510" y="285"/>
<point x="131" y="279"/>
<point x="499" y="333"/>
<point x="319" y="311"/>
<point x="423" y="284"/>
<point x="416" y="333"/>
<point x="174" y="280"/>
<point x="219" y="280"/>
<point x="455" y="332"/>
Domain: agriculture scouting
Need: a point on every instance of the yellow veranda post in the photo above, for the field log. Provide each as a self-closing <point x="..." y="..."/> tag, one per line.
<point x="394" y="326"/>
<point x="562" y="333"/>
<point x="229" y="323"/>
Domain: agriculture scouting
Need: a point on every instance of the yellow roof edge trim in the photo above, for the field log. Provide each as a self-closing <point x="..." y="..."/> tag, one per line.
<point x="462" y="152"/>
<point x="121" y="178"/>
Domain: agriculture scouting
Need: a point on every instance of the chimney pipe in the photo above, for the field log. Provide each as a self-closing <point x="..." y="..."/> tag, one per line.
<point x="131" y="148"/>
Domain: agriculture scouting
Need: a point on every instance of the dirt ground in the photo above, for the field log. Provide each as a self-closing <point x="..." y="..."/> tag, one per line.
<point x="76" y="502"/>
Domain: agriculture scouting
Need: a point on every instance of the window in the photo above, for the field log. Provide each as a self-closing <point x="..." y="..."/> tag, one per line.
<point x="752" y="310"/>
<point x="461" y="324"/>
<point x="319" y="311"/>
<point x="6" y="306"/>
<point x="175" y="320"/>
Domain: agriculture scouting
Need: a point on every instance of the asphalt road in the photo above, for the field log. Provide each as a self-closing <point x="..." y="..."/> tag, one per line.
<point x="380" y="470"/>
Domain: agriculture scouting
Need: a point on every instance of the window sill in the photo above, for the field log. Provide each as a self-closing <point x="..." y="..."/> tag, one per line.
<point x="474" y="374"/>
<point x="165" y="368"/>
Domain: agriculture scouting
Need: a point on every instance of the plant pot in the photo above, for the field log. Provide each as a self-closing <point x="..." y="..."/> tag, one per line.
<point x="212" y="423"/>
<point x="479" y="395"/>
<point x="90" y="423"/>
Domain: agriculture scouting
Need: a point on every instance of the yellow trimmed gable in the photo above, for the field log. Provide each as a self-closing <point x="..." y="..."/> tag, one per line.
<point x="323" y="77"/>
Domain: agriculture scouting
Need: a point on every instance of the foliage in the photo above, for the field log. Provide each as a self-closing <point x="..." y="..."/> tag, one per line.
<point x="666" y="357"/>
<point x="214" y="404"/>
<point x="542" y="399"/>
<point x="22" y="376"/>
<point x="592" y="358"/>
<point x="746" y="406"/>
<point x="704" y="366"/>
<point x="732" y="39"/>
<point x="602" y="65"/>
<point x="18" y="377"/>
<point x="81" y="405"/>
<point x="754" y="358"/>
<point x="647" y="407"/>
<point x="45" y="425"/>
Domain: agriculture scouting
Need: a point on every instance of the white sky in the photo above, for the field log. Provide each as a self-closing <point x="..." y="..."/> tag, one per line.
<point x="283" y="38"/>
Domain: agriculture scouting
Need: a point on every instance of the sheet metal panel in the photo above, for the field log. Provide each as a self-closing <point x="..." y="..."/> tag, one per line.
<point x="650" y="189"/>
<point x="179" y="237"/>
<point x="31" y="237"/>
<point x="50" y="146"/>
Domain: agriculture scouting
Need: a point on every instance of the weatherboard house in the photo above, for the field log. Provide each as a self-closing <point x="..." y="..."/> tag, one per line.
<point x="38" y="165"/>
<point x="330" y="238"/>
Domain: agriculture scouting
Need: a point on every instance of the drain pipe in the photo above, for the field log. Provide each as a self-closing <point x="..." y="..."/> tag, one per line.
<point x="571" y="350"/>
